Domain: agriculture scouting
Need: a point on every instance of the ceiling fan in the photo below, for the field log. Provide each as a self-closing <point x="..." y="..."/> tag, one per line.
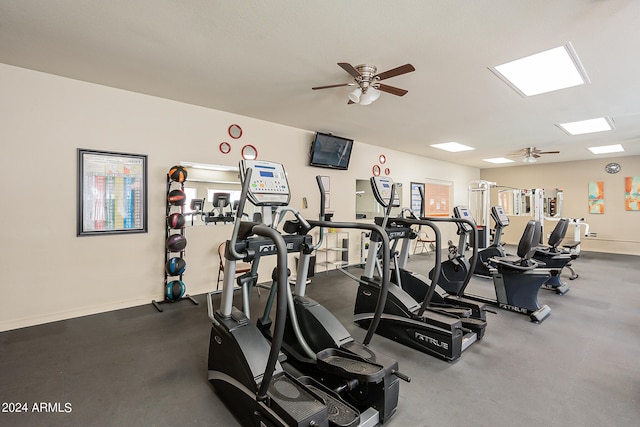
<point x="367" y="82"/>
<point x="531" y="154"/>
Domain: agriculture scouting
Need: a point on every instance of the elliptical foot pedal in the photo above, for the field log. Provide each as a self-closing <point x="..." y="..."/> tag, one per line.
<point x="340" y="413"/>
<point x="476" y="325"/>
<point x="294" y="403"/>
<point x="348" y="365"/>
<point x="459" y="312"/>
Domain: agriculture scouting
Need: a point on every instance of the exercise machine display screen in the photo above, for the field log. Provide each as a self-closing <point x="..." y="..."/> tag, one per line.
<point x="268" y="186"/>
<point x="499" y="216"/>
<point x="382" y="191"/>
<point x="463" y="212"/>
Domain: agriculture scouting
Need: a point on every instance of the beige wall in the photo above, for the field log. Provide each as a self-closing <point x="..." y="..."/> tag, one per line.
<point x="50" y="274"/>
<point x="617" y="229"/>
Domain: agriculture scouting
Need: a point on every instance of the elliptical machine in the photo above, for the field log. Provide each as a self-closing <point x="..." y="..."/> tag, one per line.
<point x="471" y="313"/>
<point x="406" y="320"/>
<point x="516" y="279"/>
<point x="243" y="366"/>
<point x="360" y="387"/>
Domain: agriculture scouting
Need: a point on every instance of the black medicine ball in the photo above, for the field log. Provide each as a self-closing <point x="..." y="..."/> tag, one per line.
<point x="176" y="242"/>
<point x="175" y="220"/>
<point x="175" y="290"/>
<point x="177" y="197"/>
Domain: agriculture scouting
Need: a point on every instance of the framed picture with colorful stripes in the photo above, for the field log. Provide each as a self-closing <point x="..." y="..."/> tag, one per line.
<point x="112" y="193"/>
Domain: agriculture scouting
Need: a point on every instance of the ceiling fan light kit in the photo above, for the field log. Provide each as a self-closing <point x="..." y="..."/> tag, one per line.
<point x="531" y="154"/>
<point x="369" y="96"/>
<point x="368" y="87"/>
<point x="354" y="96"/>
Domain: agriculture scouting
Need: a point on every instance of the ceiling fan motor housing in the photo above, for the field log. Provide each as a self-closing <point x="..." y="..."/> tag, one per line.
<point x="367" y="73"/>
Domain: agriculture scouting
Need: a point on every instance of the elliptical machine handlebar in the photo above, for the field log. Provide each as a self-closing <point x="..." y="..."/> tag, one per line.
<point x="281" y="305"/>
<point x="282" y="291"/>
<point x="321" y="215"/>
<point x="231" y="247"/>
<point x="384" y="287"/>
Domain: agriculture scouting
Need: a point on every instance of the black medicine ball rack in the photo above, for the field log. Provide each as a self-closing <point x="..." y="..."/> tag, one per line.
<point x="174" y="288"/>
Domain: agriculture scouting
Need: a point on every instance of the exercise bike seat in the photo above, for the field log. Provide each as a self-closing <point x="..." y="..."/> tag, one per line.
<point x="571" y="244"/>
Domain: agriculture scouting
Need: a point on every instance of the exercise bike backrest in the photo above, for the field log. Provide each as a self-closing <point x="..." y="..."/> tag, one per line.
<point x="529" y="240"/>
<point x="558" y="233"/>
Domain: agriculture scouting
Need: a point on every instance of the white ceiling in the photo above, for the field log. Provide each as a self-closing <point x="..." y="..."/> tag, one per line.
<point x="261" y="58"/>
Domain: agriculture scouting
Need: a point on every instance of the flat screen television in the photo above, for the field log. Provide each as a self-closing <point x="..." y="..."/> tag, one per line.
<point x="330" y="151"/>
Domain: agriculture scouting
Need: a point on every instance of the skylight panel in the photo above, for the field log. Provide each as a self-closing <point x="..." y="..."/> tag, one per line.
<point x="581" y="127"/>
<point x="553" y="69"/>
<point x="605" y="149"/>
<point x="498" y="160"/>
<point x="453" y="147"/>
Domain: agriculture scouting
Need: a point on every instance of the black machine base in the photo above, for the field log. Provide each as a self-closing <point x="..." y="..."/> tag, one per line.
<point x="536" y="315"/>
<point x="289" y="402"/>
<point x="157" y="304"/>
<point x="562" y="289"/>
<point x="420" y="336"/>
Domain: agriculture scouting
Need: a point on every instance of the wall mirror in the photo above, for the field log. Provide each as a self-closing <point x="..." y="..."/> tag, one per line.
<point x="235" y="131"/>
<point x="212" y="192"/>
<point x="521" y="202"/>
<point x="225" y="147"/>
<point x="366" y="205"/>
<point x="249" y="152"/>
<point x="553" y="200"/>
<point x="515" y="202"/>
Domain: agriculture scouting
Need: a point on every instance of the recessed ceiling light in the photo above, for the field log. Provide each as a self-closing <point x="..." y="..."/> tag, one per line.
<point x="600" y="124"/>
<point x="603" y="149"/>
<point x="454" y="147"/>
<point x="498" y="160"/>
<point x="553" y="69"/>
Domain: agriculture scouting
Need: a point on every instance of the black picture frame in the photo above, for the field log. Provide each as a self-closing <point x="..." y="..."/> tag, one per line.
<point x="112" y="193"/>
<point x="417" y="204"/>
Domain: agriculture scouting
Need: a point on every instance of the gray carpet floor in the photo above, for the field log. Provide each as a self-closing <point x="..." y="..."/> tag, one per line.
<point x="138" y="367"/>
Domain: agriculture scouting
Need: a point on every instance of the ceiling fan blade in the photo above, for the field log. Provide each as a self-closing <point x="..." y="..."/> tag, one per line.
<point x="536" y="155"/>
<point x="330" y="86"/>
<point x="548" y="152"/>
<point x="350" y="102"/>
<point x="392" y="89"/>
<point x="349" y="69"/>
<point x="403" y="69"/>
